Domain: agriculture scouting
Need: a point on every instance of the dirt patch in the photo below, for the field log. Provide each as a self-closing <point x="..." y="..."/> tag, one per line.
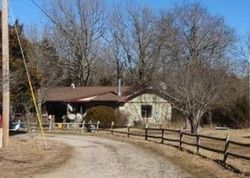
<point x="193" y="164"/>
<point x="25" y="157"/>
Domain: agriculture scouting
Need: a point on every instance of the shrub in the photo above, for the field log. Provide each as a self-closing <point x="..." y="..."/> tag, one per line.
<point x="138" y="123"/>
<point x="236" y="116"/>
<point x="122" y="118"/>
<point x="103" y="114"/>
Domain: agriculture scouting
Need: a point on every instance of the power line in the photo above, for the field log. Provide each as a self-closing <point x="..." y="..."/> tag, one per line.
<point x="29" y="80"/>
<point x="44" y="12"/>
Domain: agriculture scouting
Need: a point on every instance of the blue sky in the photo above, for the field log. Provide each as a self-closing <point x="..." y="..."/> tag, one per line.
<point x="235" y="12"/>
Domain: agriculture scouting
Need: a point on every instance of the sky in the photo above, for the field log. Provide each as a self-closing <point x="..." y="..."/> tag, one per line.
<point x="235" y="12"/>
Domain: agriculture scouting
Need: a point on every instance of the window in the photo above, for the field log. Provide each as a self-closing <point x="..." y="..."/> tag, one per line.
<point x="146" y="110"/>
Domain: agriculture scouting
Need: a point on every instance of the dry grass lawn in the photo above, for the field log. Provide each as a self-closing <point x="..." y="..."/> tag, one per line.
<point x="25" y="157"/>
<point x="240" y="135"/>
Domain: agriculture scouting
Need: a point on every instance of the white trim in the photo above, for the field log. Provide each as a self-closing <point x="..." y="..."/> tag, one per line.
<point x="87" y="99"/>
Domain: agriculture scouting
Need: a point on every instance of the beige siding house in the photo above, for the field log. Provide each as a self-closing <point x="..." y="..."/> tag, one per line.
<point x="140" y="105"/>
<point x="147" y="108"/>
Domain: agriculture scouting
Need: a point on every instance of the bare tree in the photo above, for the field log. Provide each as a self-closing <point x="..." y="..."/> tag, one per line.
<point x="136" y="43"/>
<point x="195" y="73"/>
<point x="196" y="89"/>
<point x="115" y="50"/>
<point x="44" y="58"/>
<point x="78" y="28"/>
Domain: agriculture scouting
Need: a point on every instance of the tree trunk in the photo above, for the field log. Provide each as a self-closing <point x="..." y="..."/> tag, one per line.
<point x="194" y="127"/>
<point x="195" y="121"/>
<point x="187" y="123"/>
<point x="210" y="119"/>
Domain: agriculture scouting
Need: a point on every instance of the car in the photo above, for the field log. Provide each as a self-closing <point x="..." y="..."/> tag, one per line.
<point x="13" y="125"/>
<point x="16" y="126"/>
<point x="91" y="128"/>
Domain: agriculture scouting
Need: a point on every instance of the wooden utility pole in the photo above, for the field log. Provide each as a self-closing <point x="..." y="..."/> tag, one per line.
<point x="5" y="74"/>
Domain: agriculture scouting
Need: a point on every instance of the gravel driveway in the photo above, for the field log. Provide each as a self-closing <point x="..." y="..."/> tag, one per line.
<point x="95" y="157"/>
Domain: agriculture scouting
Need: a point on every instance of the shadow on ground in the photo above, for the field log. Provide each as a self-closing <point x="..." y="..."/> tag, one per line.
<point x="12" y="133"/>
<point x="219" y="162"/>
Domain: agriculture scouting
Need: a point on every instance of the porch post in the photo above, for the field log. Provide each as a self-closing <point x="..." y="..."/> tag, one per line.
<point x="81" y="109"/>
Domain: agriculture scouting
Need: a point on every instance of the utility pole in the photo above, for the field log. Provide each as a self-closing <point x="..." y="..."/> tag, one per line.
<point x="5" y="74"/>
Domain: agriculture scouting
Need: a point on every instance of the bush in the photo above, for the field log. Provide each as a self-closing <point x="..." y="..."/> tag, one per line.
<point x="138" y="123"/>
<point x="236" y="116"/>
<point x="103" y="114"/>
<point x="121" y="118"/>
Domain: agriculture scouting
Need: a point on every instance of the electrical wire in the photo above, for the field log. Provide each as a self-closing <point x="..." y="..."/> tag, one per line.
<point x="53" y="20"/>
<point x="44" y="12"/>
<point x="38" y="114"/>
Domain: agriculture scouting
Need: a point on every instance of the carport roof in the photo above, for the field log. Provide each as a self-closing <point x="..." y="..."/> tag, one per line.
<point x="95" y="94"/>
<point x="68" y="94"/>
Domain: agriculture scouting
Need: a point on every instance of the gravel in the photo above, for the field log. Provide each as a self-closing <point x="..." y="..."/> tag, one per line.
<point x="95" y="157"/>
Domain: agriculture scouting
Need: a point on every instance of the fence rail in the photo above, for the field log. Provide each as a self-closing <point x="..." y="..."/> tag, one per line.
<point x="162" y="136"/>
<point x="211" y="149"/>
<point x="171" y="140"/>
<point x="155" y="133"/>
<point x="238" y="156"/>
<point x="212" y="138"/>
<point x="239" y="144"/>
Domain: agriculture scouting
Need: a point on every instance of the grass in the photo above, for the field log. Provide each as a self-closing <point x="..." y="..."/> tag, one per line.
<point x="239" y="135"/>
<point x="237" y="165"/>
<point x="24" y="157"/>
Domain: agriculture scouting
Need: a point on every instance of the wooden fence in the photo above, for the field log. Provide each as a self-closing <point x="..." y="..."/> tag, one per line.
<point x="180" y="141"/>
<point x="159" y="134"/>
<point x="67" y="126"/>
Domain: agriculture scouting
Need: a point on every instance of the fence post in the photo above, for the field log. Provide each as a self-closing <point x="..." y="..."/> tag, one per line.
<point x="128" y="131"/>
<point x="198" y="143"/>
<point x="83" y="126"/>
<point x="112" y="127"/>
<point x="63" y="124"/>
<point x="225" y="150"/>
<point x="146" y="132"/>
<point x="97" y="126"/>
<point x="181" y="135"/>
<point x="53" y="122"/>
<point x="162" y="136"/>
<point x="50" y="125"/>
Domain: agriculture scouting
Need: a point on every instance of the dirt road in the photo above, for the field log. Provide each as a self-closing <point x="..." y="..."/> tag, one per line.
<point x="95" y="157"/>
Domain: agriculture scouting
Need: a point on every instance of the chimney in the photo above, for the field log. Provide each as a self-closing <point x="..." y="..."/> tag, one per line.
<point x="119" y="93"/>
<point x="73" y="86"/>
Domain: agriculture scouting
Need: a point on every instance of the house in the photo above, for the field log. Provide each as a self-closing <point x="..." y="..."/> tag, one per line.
<point x="139" y="104"/>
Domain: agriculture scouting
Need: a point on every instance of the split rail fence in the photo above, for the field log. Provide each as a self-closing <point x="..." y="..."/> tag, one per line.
<point x="156" y="133"/>
<point x="160" y="134"/>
